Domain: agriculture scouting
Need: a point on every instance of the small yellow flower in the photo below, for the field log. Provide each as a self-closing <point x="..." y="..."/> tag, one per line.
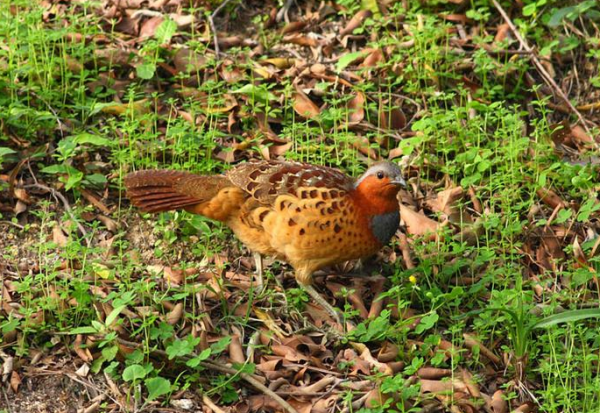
<point x="412" y="279"/>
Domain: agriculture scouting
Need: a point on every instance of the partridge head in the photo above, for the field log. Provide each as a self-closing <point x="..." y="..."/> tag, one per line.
<point x="376" y="193"/>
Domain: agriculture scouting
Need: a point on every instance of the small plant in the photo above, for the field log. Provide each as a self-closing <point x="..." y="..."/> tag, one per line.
<point x="521" y="325"/>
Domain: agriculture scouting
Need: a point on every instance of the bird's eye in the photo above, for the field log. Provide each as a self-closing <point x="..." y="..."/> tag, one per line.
<point x="380" y="175"/>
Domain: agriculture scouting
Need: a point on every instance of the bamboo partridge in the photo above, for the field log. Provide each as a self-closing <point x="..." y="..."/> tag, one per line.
<point x="307" y="215"/>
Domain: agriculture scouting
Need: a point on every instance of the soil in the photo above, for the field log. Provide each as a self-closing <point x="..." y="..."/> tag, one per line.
<point x="55" y="393"/>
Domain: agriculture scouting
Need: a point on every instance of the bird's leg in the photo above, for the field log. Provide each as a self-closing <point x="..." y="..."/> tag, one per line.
<point x="258" y="276"/>
<point x="282" y="14"/>
<point x="304" y="279"/>
<point x="358" y="271"/>
<point x="323" y="302"/>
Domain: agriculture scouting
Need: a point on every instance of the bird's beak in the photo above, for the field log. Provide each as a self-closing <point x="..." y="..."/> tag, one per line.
<point x="398" y="181"/>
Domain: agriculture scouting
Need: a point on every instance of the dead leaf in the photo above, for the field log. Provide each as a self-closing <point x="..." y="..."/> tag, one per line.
<point x="355" y="22"/>
<point x="433" y="373"/>
<point x="173" y="277"/>
<point x="393" y="119"/>
<point x="373" y="59"/>
<point x="502" y="32"/>
<point x="417" y="223"/>
<point x="356" y="108"/>
<point x="149" y="26"/>
<point x="375" y="398"/>
<point x="174" y="315"/>
<point x="442" y="386"/>
<point x="230" y="72"/>
<point x="59" y="237"/>
<point x="15" y="381"/>
<point x="365" y="354"/>
<point x="301" y="40"/>
<point x="136" y="108"/>
<point x="236" y="352"/>
<point x="293" y="27"/>
<point x="498" y="403"/>
<point x="83" y="353"/>
<point x="279" y="62"/>
<point x="187" y="60"/>
<point x="303" y="106"/>
<point x="110" y="224"/>
<point x="388" y="352"/>
<point x="20" y="207"/>
<point x="580" y="135"/>
<point x="446" y="202"/>
<point x="182" y="20"/>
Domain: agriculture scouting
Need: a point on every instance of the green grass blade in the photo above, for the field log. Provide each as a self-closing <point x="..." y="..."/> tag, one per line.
<point x="567" y="316"/>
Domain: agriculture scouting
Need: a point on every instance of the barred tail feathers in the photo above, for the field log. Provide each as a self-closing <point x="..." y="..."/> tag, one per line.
<point x="164" y="190"/>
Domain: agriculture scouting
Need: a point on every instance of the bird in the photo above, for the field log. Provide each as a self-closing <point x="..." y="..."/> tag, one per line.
<point x="309" y="216"/>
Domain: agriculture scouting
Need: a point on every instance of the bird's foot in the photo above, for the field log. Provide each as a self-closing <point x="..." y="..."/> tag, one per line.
<point x="338" y="317"/>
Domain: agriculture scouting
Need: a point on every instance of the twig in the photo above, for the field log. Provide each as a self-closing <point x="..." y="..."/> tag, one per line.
<point x="538" y="65"/>
<point x="8" y="406"/>
<point x="14" y="224"/>
<point x="213" y="365"/>
<point x="58" y="196"/>
<point x="211" y="22"/>
<point x="207" y="401"/>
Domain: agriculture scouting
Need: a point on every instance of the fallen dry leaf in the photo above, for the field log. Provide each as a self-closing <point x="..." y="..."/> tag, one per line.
<point x="304" y="106"/>
<point x="175" y="314"/>
<point x="417" y="223"/>
<point x="356" y="108"/>
<point x="355" y="22"/>
<point x="15" y="381"/>
<point x="498" y="403"/>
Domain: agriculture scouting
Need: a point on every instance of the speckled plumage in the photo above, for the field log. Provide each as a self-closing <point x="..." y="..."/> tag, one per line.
<point x="309" y="216"/>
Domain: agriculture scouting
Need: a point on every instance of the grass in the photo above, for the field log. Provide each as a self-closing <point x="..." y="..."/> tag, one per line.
<point x="77" y="119"/>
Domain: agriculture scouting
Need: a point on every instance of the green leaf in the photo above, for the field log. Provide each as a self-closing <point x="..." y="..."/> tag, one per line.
<point x="372" y="330"/>
<point x="91" y="139"/>
<point x="530" y="9"/>
<point x="157" y="386"/>
<point x="134" y="372"/>
<point x="5" y="151"/>
<point x="427" y="322"/>
<point x="567" y="316"/>
<point x="73" y="180"/>
<point x="557" y="18"/>
<point x="84" y="330"/>
<point x="55" y="169"/>
<point x="259" y="93"/>
<point x="96" y="179"/>
<point x="347" y="59"/>
<point x="97" y="325"/>
<point x="146" y="70"/>
<point x="109" y="353"/>
<point x="165" y="31"/>
<point x="587" y="209"/>
<point x="195" y="362"/>
<point x="113" y="315"/>
<point x="372" y="6"/>
<point x="220" y="345"/>
<point x="180" y="348"/>
<point x="248" y="368"/>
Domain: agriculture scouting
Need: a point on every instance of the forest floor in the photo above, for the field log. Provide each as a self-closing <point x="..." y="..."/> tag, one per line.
<point x="486" y="300"/>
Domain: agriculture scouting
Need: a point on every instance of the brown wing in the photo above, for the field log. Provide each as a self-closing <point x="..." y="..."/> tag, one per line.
<point x="266" y="180"/>
<point x="163" y="190"/>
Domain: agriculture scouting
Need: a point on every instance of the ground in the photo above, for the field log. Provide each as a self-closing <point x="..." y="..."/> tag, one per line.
<point x="485" y="300"/>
